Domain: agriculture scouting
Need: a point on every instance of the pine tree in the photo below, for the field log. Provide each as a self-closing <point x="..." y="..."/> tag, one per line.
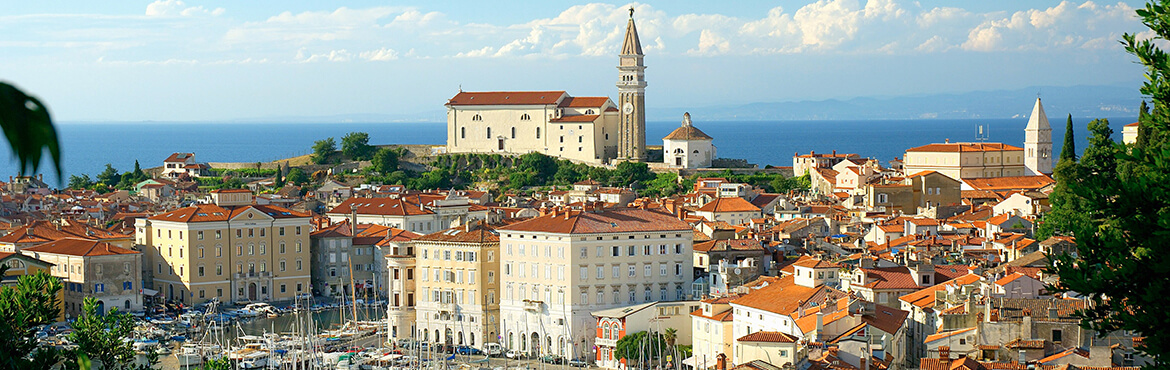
<point x="279" y="182"/>
<point x="1069" y="150"/>
<point x="1143" y="137"/>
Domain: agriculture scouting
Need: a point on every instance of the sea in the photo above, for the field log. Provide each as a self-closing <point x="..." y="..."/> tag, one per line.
<point x="86" y="147"/>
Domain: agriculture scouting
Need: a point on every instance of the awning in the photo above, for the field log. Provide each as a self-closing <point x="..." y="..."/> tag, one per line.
<point x="149" y="292"/>
<point x="690" y="361"/>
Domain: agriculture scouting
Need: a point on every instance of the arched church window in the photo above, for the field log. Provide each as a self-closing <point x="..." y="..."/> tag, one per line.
<point x="513" y="132"/>
<point x="696" y="151"/>
<point x="489" y="132"/>
<point x="589" y="111"/>
<point x="476" y="118"/>
<point x="678" y="150"/>
<point x="462" y="132"/>
<point x="525" y="117"/>
<point x="538" y="132"/>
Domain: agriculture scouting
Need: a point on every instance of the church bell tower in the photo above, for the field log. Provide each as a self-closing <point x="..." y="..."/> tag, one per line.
<point x="1038" y="143"/>
<point x="632" y="97"/>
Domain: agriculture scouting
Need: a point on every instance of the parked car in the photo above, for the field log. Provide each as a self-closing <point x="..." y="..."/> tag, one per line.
<point x="552" y="359"/>
<point x="514" y="354"/>
<point x="465" y="350"/>
<point x="493" y="349"/>
<point x="579" y="363"/>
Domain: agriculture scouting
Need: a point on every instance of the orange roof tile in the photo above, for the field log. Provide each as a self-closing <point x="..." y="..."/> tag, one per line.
<point x="964" y="147"/>
<point x="768" y="336"/>
<point x="507" y="98"/>
<point x="937" y="336"/>
<point x="80" y="247"/>
<point x="925" y="298"/>
<point x="606" y="221"/>
<point x="581" y="118"/>
<point x="730" y="204"/>
<point x="584" y="101"/>
<point x="1010" y="182"/>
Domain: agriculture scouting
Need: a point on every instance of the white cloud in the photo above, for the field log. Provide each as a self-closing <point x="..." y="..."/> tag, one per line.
<point x="341" y="55"/>
<point x="380" y="55"/>
<point x="175" y="8"/>
<point x="1066" y="25"/>
<point x="710" y="44"/>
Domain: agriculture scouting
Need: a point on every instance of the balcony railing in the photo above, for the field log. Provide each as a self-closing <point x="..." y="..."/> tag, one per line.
<point x="533" y="306"/>
<point x="253" y="274"/>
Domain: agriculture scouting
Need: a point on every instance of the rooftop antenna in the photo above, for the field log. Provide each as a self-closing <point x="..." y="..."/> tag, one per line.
<point x="981" y="132"/>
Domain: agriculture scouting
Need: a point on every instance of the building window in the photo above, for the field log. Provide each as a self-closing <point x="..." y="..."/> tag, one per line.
<point x="489" y="132"/>
<point x="513" y="132"/>
<point x="462" y="132"/>
<point x="538" y="132"/>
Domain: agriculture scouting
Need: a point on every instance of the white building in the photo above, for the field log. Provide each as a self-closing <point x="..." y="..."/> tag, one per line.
<point x="586" y="129"/>
<point x="687" y="146"/>
<point x="558" y="268"/>
<point x="1038" y="142"/>
<point x="420" y="213"/>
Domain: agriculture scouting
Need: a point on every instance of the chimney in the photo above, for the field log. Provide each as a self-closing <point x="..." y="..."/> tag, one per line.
<point x="721" y="362"/>
<point x="820" y="325"/>
<point x="834" y="151"/>
<point x="944" y="353"/>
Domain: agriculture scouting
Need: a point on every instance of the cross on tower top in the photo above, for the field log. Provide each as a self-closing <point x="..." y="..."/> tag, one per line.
<point x="631" y="11"/>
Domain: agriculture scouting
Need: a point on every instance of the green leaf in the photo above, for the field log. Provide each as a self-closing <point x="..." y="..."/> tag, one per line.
<point x="28" y="128"/>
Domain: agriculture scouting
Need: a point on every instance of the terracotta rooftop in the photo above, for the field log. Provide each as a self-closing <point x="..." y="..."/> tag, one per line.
<point x="925" y="297"/>
<point x="768" y="336"/>
<point x="1010" y="182"/>
<point x="382" y="206"/>
<point x="460" y="234"/>
<point x="964" y="147"/>
<point x="507" y="98"/>
<point x="80" y="247"/>
<point x="581" y="118"/>
<point x="687" y="133"/>
<point x="729" y="204"/>
<point x="212" y="213"/>
<point x="584" y="102"/>
<point x="729" y="245"/>
<point x="606" y="221"/>
<point x="937" y="336"/>
<point x="179" y="157"/>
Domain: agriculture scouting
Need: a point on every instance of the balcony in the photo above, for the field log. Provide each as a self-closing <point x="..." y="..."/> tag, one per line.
<point x="252" y="275"/>
<point x="533" y="306"/>
<point x="448" y="307"/>
<point x="605" y="342"/>
<point x="399" y="261"/>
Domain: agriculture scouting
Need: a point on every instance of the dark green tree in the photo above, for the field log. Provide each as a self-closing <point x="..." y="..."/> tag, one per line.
<point x="100" y="336"/>
<point x="542" y="166"/>
<point x="109" y="176"/>
<point x="138" y="170"/>
<point x="279" y="180"/>
<point x="631" y="174"/>
<point x="1068" y="151"/>
<point x="231" y="183"/>
<point x="356" y="146"/>
<point x="385" y="161"/>
<point x="640" y="346"/>
<point x="1121" y="264"/>
<point x="322" y="149"/>
<point x="29" y="129"/>
<point x="80" y="182"/>
<point x="297" y="177"/>
<point x="1143" y="130"/>
<point x="31" y="302"/>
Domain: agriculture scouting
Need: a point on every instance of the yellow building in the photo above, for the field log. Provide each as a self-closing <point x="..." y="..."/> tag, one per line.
<point x="458" y="280"/>
<point x="966" y="160"/>
<point x="232" y="250"/>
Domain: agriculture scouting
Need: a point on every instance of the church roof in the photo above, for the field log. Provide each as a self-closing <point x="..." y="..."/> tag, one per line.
<point x="584" y="102"/>
<point x="631" y="45"/>
<point x="507" y="98"/>
<point x="1038" y="120"/>
<point x="687" y="133"/>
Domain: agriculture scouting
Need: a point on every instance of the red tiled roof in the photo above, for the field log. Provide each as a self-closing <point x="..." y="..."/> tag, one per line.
<point x="45" y="231"/>
<point x="380" y="206"/>
<point x="925" y="297"/>
<point x="179" y="157"/>
<point x="963" y="147"/>
<point x="582" y="118"/>
<point x="730" y="204"/>
<point x="80" y="247"/>
<point x="1008" y="279"/>
<point x="780" y="296"/>
<point x="478" y="234"/>
<point x="607" y="221"/>
<point x="1010" y="182"/>
<point x="211" y="212"/>
<point x="729" y="244"/>
<point x="937" y="336"/>
<point x="687" y="133"/>
<point x="768" y="336"/>
<point x="506" y="98"/>
<point x="816" y="263"/>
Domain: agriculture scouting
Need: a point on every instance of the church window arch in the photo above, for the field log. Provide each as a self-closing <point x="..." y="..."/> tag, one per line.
<point x="589" y="111"/>
<point x="525" y="117"/>
<point x="678" y="150"/>
<point x="489" y="132"/>
<point x="476" y="118"/>
<point x="696" y="151"/>
<point x="513" y="132"/>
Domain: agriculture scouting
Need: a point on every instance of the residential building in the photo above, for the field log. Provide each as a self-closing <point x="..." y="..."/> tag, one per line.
<point x="687" y="146"/>
<point x="806" y="163"/>
<point x="585" y="129"/>
<point x="559" y="267"/>
<point x="652" y="317"/>
<point x="732" y="210"/>
<point x="90" y="268"/>
<point x="343" y="261"/>
<point x="232" y="250"/>
<point x="1129" y="133"/>
<point x="963" y="161"/>
<point x="40" y="232"/>
<point x="417" y="213"/>
<point x="933" y="189"/>
<point x="401" y="284"/>
<point x="179" y="164"/>
<point x="712" y="332"/>
<point x="1038" y="142"/>
<point x="458" y="279"/>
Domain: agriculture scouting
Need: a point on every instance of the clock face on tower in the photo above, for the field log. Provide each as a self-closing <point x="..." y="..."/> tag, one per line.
<point x="628" y="108"/>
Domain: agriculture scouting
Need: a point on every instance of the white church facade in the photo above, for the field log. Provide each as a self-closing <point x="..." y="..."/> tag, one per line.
<point x="687" y="147"/>
<point x="592" y="130"/>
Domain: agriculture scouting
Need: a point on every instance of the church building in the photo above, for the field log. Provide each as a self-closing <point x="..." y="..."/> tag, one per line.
<point x="687" y="147"/>
<point x="592" y="130"/>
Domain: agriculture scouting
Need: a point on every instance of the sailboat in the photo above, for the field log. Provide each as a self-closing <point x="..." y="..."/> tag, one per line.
<point x="208" y="348"/>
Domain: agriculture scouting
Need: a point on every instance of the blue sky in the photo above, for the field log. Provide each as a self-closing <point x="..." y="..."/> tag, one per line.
<point x="219" y="60"/>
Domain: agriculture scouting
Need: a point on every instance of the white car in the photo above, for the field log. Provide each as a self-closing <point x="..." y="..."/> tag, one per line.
<point x="493" y="349"/>
<point x="514" y="354"/>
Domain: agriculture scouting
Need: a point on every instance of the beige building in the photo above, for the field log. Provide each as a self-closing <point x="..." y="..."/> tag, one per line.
<point x="401" y="286"/>
<point x="688" y="147"/>
<point x="232" y="250"/>
<point x="559" y="267"/>
<point x="89" y="268"/>
<point x="711" y="330"/>
<point x="806" y="163"/>
<point x="459" y="283"/>
<point x="586" y="129"/>
<point x="966" y="160"/>
<point x="1129" y="133"/>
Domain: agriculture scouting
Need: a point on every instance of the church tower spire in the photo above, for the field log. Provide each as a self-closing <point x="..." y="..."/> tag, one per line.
<point x="1038" y="142"/>
<point x="631" y="96"/>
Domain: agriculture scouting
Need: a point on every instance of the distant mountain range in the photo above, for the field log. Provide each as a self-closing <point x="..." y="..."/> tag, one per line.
<point x="1080" y="101"/>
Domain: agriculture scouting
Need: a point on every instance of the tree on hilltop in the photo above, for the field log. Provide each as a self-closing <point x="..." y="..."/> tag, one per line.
<point x="322" y="149"/>
<point x="356" y="146"/>
<point x="385" y="161"/>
